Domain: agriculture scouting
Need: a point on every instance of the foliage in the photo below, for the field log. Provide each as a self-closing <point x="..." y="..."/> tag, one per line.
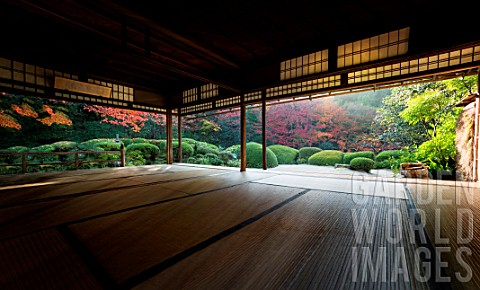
<point x="65" y="146"/>
<point x="285" y="154"/>
<point x="361" y="163"/>
<point x="439" y="152"/>
<point x="149" y="151"/>
<point x="134" y="158"/>
<point x="388" y="154"/>
<point x="349" y="156"/>
<point x="234" y="149"/>
<point x="187" y="150"/>
<point x="327" y="157"/>
<point x="306" y="152"/>
<point x="255" y="159"/>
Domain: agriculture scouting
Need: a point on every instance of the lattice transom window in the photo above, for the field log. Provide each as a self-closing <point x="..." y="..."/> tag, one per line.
<point x="304" y="65"/>
<point x="381" y="46"/>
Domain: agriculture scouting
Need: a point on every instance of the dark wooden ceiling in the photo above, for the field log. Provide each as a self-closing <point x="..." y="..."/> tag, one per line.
<point x="169" y="46"/>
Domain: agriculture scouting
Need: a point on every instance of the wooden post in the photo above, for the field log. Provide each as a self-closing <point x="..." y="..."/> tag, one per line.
<point x="122" y="156"/>
<point x="180" y="153"/>
<point x="169" y="137"/>
<point x="476" y="137"/>
<point x="264" y="134"/>
<point x="476" y="143"/>
<point x="76" y="160"/>
<point x="243" y="136"/>
<point x="24" y="162"/>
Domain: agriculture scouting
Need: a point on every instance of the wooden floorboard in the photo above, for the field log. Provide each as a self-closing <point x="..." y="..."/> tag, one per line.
<point x="38" y="193"/>
<point x="307" y="244"/>
<point x="441" y="204"/>
<point x="42" y="260"/>
<point x="159" y="232"/>
<point x="355" y="185"/>
<point x="179" y="227"/>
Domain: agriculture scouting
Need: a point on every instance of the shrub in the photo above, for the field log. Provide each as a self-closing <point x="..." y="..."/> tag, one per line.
<point x="65" y="146"/>
<point x="226" y="156"/>
<point x="44" y="148"/>
<point x="361" y="163"/>
<point x="387" y="154"/>
<point x="285" y="154"/>
<point x="149" y="151"/>
<point x="302" y="161"/>
<point x="382" y="164"/>
<point x="187" y="150"/>
<point x="254" y="156"/>
<point x="234" y="149"/>
<point x="306" y="152"/>
<point x="134" y="158"/>
<point x="327" y="157"/>
<point x="16" y="149"/>
<point x="350" y="156"/>
<point x="108" y="146"/>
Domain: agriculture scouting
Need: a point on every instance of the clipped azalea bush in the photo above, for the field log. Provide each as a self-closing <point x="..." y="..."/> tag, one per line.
<point x="350" y="156"/>
<point x="306" y="152"/>
<point x="285" y="154"/>
<point x="326" y="157"/>
<point x="388" y="154"/>
<point x="65" y="146"/>
<point x="187" y="150"/>
<point x="149" y="151"/>
<point x="362" y="163"/>
<point x="255" y="156"/>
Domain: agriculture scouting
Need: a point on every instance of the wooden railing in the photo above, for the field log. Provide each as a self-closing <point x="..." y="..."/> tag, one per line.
<point x="77" y="161"/>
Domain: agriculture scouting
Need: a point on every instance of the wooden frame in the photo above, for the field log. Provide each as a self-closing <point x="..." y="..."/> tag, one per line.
<point x="77" y="161"/>
<point x="169" y="137"/>
<point x="243" y="136"/>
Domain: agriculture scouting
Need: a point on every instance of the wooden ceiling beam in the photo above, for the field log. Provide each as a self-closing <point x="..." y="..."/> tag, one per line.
<point x="198" y="75"/>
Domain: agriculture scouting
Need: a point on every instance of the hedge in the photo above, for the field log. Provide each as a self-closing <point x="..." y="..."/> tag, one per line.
<point x="255" y="159"/>
<point x="285" y="154"/>
<point x="187" y="150"/>
<point x="306" y="152"/>
<point x="327" y="157"/>
<point x="149" y="151"/>
<point x="387" y="154"/>
<point x="350" y="156"/>
<point x="362" y="163"/>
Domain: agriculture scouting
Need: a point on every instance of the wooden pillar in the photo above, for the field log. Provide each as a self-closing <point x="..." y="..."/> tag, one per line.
<point x="476" y="143"/>
<point x="243" y="136"/>
<point x="180" y="153"/>
<point x="169" y="137"/>
<point x="264" y="134"/>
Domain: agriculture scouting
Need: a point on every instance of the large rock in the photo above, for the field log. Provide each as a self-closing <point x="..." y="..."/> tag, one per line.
<point x="464" y="143"/>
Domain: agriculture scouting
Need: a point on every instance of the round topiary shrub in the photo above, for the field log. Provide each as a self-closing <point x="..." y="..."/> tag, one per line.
<point x="350" y="156"/>
<point x="306" y="152"/>
<point x="285" y="154"/>
<point x="254" y="156"/>
<point x="362" y="163"/>
<point x="149" y="151"/>
<point x="327" y="157"/>
<point x="387" y="154"/>
<point x="187" y="150"/>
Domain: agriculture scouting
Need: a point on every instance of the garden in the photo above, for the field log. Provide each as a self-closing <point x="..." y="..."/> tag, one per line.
<point x="364" y="131"/>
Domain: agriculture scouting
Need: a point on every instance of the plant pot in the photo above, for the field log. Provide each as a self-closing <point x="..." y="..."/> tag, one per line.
<point x="414" y="170"/>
